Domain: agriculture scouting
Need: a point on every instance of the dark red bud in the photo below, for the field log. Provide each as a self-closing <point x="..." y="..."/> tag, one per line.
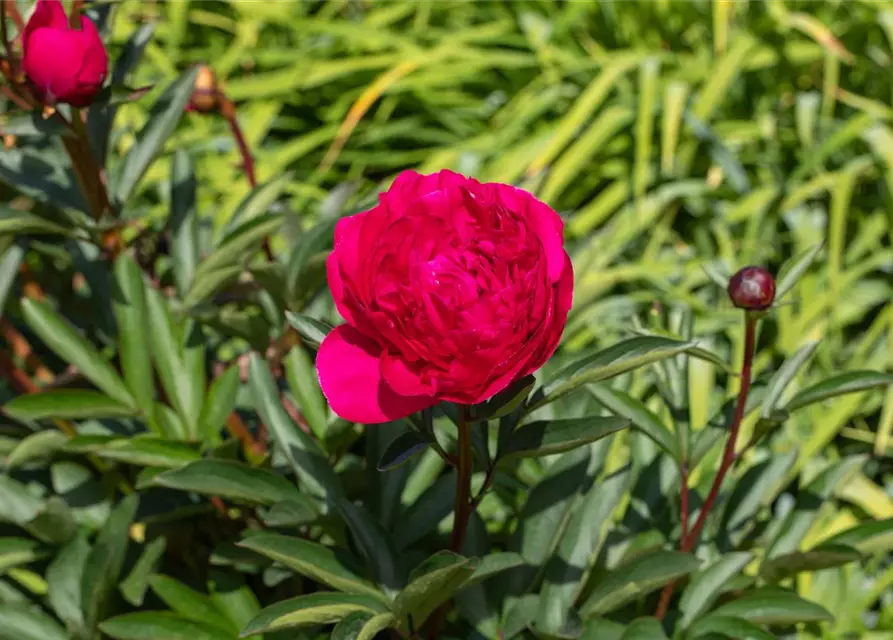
<point x="752" y="289"/>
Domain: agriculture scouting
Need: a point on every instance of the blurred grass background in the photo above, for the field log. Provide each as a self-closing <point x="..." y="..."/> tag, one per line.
<point x="678" y="139"/>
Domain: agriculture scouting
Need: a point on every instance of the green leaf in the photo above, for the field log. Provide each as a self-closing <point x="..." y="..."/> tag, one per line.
<point x="304" y="384"/>
<point x="302" y="453"/>
<point x="129" y="304"/>
<point x="313" y="561"/>
<point x="235" y="244"/>
<point x="291" y="513"/>
<point x="62" y="338"/>
<point x="402" y="449"/>
<point x="350" y="627"/>
<point x="184" y="221"/>
<point x="423" y="514"/>
<point x="311" y="330"/>
<point x="641" y="417"/>
<point x="601" y="629"/>
<point x="259" y="201"/>
<point x="37" y="446"/>
<point x="163" y="119"/>
<point x="17" y="551"/>
<point x="375" y="625"/>
<point x="54" y="523"/>
<point x="849" y="382"/>
<point x="821" y="557"/>
<point x="783" y="377"/>
<point x="637" y="578"/>
<point x="493" y="564"/>
<point x="730" y="627"/>
<point x="146" y="451"/>
<point x="235" y="598"/>
<point x="190" y="603"/>
<point x="15" y="222"/>
<point x="757" y="487"/>
<point x="10" y="260"/>
<point x="617" y="359"/>
<point x="209" y="284"/>
<point x="106" y="559"/>
<point x="167" y="356"/>
<point x="313" y="609"/>
<point x="160" y="625"/>
<point x="506" y="401"/>
<point x="17" y="504"/>
<point x="300" y="280"/>
<point x="433" y="583"/>
<point x="231" y="480"/>
<point x="869" y="537"/>
<point x="644" y="629"/>
<point x="18" y="623"/>
<point x="791" y="272"/>
<point x="220" y="402"/>
<point x="64" y="581"/>
<point x="566" y="570"/>
<point x="544" y="438"/>
<point x="775" y="607"/>
<point x="706" y="585"/>
<point x="71" y="404"/>
<point x="376" y="545"/>
<point x="134" y="586"/>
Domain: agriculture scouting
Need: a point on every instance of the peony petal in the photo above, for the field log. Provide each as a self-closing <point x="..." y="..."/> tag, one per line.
<point x="51" y="61"/>
<point x="402" y="378"/>
<point x="543" y="220"/>
<point x="47" y="13"/>
<point x="349" y="367"/>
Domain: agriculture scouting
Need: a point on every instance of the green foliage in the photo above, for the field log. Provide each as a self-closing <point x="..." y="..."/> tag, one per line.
<point x="171" y="469"/>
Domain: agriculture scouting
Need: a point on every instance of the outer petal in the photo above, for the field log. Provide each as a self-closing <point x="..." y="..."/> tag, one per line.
<point x="52" y="60"/>
<point x="543" y="220"/>
<point x="95" y="66"/>
<point x="402" y="377"/>
<point x="349" y="367"/>
<point x="47" y="13"/>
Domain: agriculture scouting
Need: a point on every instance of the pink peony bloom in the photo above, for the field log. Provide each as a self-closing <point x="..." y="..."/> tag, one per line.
<point x="63" y="64"/>
<point x="451" y="288"/>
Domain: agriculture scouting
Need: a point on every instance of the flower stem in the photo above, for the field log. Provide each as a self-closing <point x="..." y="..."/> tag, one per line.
<point x="688" y="541"/>
<point x="464" y="505"/>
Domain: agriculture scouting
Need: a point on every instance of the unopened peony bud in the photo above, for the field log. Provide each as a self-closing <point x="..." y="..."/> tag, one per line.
<point x="752" y="289"/>
<point x="204" y="96"/>
<point x="63" y="64"/>
<point x="9" y="141"/>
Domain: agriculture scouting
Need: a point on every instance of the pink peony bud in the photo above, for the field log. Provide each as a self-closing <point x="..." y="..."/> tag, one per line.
<point x="752" y="289"/>
<point x="63" y="64"/>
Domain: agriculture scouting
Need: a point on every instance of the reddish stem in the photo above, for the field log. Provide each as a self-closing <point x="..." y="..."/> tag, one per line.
<point x="687" y="542"/>
<point x="228" y="109"/>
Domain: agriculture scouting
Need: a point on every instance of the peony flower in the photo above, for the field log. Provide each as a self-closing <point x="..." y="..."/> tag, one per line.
<point x="63" y="64"/>
<point x="451" y="290"/>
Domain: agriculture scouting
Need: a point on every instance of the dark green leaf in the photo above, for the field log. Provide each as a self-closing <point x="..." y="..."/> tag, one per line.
<point x="375" y="625"/>
<point x="160" y="625"/>
<point x="62" y="338"/>
<point x="637" y="578"/>
<point x="783" y="377"/>
<point x="167" y="357"/>
<point x="314" y="561"/>
<point x="312" y="331"/>
<point x="220" y="402"/>
<point x="432" y="584"/>
<point x="134" y="586"/>
<point x="129" y="303"/>
<point x="350" y="627"/>
<point x="231" y="480"/>
<point x="18" y="623"/>
<point x="544" y="438"/>
<point x="72" y="404"/>
<point x="10" y="259"/>
<point x="375" y="544"/>
<point x="821" y="557"/>
<point x="299" y="273"/>
<point x="493" y="564"/>
<point x="641" y="417"/>
<point x="849" y="382"/>
<point x="163" y="119"/>
<point x="601" y="629"/>
<point x="644" y="629"/>
<point x="235" y="244"/>
<point x="15" y="222"/>
<point x="776" y="607"/>
<point x="757" y="487"/>
<point x="304" y="455"/>
<point x="402" y="449"/>
<point x="146" y="451"/>
<point x="17" y="504"/>
<point x="106" y="559"/>
<point x="313" y="609"/>
<point x="64" y="581"/>
<point x="184" y="221"/>
<point x="304" y="384"/>
<point x="423" y="515"/>
<point x="259" y="201"/>
<point x="611" y="362"/>
<point x="791" y="272"/>
<point x="17" y="551"/>
<point x="706" y="585"/>
<point x="54" y="523"/>
<point x="728" y="627"/>
<point x="37" y="446"/>
<point x="190" y="603"/>
<point x="291" y="513"/>
<point x="506" y="401"/>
